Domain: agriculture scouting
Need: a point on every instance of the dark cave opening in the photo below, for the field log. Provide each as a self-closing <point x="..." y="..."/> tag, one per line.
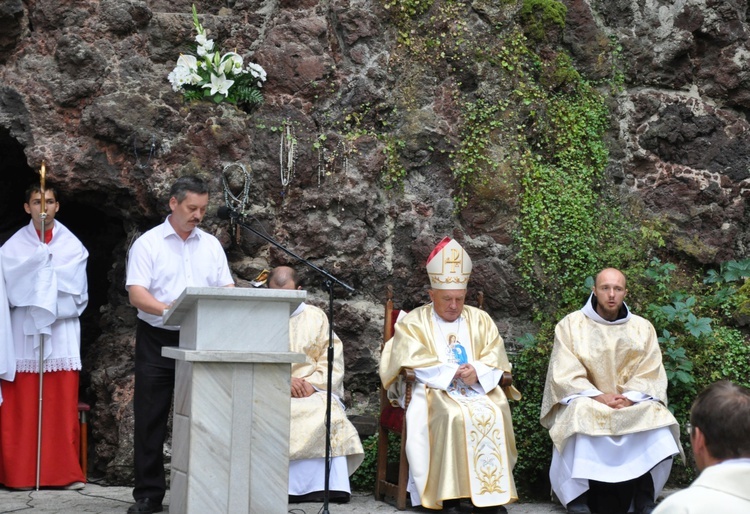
<point x="98" y="232"/>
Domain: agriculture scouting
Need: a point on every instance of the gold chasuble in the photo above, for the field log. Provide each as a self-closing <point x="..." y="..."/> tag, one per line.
<point x="458" y="446"/>
<point x="610" y="358"/>
<point x="308" y="334"/>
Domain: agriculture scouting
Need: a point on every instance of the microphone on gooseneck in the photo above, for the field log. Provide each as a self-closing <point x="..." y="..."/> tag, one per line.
<point x="226" y="213"/>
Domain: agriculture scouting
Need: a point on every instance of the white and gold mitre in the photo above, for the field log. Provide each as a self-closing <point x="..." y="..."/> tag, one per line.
<point x="449" y="266"/>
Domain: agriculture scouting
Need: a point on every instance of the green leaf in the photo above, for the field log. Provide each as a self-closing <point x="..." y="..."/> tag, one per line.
<point x="698" y="326"/>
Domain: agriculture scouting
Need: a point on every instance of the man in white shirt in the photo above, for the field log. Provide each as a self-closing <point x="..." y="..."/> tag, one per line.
<point x="161" y="264"/>
<point x="720" y="437"/>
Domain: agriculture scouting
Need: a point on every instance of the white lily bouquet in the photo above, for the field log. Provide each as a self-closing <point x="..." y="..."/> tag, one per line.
<point x="211" y="75"/>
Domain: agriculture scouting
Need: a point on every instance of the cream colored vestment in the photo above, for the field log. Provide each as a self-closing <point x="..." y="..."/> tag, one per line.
<point x="591" y="440"/>
<point x="458" y="447"/>
<point x="308" y="334"/>
<point x="619" y="359"/>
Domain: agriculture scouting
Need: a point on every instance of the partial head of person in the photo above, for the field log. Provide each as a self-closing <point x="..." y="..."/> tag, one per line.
<point x="284" y="277"/>
<point x="720" y="424"/>
<point x="610" y="291"/>
<point x="34" y="205"/>
<point x="188" y="201"/>
<point x="449" y="268"/>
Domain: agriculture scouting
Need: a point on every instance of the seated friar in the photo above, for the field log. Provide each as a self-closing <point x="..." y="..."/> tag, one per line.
<point x="309" y="335"/>
<point x="460" y="444"/>
<point x="720" y="437"/>
<point x="605" y="406"/>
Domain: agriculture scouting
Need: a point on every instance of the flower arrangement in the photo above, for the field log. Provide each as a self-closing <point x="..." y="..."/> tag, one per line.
<point x="211" y="75"/>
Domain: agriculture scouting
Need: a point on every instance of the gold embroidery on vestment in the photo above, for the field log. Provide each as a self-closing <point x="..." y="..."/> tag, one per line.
<point x="602" y="420"/>
<point x="488" y="449"/>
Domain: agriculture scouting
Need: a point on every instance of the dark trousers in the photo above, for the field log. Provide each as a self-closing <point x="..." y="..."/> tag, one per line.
<point x="616" y="498"/>
<point x="154" y="385"/>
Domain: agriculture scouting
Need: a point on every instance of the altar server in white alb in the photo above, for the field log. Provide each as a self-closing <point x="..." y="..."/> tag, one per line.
<point x="605" y="405"/>
<point x="47" y="289"/>
<point x="309" y="334"/>
<point x="460" y="443"/>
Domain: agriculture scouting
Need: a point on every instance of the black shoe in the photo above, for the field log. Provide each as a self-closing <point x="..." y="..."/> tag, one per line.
<point x="145" y="506"/>
<point x="495" y="509"/>
<point x="451" y="506"/>
<point x="319" y="497"/>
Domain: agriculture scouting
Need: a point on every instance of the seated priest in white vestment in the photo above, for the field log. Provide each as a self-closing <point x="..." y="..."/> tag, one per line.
<point x="309" y="334"/>
<point x="605" y="406"/>
<point x="460" y="443"/>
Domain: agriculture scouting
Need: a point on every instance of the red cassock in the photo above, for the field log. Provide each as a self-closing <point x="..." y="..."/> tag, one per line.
<point x="19" y="415"/>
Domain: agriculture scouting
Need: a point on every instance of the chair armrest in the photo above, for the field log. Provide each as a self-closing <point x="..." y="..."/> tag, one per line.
<point x="410" y="378"/>
<point x="409" y="375"/>
<point x="506" y="380"/>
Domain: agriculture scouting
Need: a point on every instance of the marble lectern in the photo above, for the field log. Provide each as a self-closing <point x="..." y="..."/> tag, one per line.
<point x="230" y="437"/>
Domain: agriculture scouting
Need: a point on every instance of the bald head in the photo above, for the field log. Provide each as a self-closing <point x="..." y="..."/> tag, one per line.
<point x="610" y="274"/>
<point x="283" y="277"/>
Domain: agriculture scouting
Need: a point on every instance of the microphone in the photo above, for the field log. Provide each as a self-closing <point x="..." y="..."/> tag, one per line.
<point x="226" y="213"/>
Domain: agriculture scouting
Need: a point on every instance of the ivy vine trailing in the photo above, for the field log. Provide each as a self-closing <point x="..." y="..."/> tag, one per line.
<point x="565" y="220"/>
<point x="534" y="137"/>
<point x="546" y="139"/>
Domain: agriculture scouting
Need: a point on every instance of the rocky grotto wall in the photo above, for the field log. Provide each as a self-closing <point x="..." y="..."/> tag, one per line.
<point x="83" y="86"/>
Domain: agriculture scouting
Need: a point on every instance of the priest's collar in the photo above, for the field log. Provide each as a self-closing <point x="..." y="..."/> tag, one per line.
<point x="590" y="311"/>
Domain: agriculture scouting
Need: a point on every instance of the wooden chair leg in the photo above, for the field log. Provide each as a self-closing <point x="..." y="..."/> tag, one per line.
<point x="403" y="473"/>
<point x="382" y="463"/>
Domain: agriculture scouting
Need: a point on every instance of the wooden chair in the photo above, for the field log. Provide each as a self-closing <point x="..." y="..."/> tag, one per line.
<point x="392" y="421"/>
<point x="391" y="477"/>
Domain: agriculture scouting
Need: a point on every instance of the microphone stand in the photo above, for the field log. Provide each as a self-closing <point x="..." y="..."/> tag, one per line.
<point x="42" y="220"/>
<point x="329" y="283"/>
